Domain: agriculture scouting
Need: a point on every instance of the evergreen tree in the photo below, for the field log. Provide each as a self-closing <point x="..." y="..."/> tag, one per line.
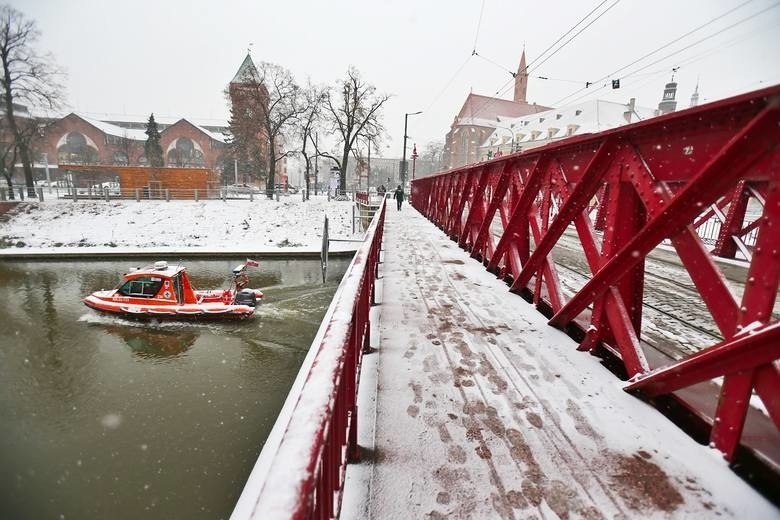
<point x="152" y="148"/>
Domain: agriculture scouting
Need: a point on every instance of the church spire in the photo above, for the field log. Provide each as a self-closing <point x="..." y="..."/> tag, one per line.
<point x="247" y="72"/>
<point x="521" y="80"/>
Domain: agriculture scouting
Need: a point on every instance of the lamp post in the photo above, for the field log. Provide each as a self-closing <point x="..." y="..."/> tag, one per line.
<point x="403" y="160"/>
<point x="414" y="160"/>
<point x="510" y="128"/>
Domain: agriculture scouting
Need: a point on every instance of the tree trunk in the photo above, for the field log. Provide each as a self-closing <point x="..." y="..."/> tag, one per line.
<point x="343" y="171"/>
<point x="10" y="184"/>
<point x="270" y="185"/>
<point x="21" y="145"/>
<point x="308" y="172"/>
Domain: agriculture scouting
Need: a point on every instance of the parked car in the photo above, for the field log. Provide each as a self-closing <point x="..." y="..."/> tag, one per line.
<point x="243" y="188"/>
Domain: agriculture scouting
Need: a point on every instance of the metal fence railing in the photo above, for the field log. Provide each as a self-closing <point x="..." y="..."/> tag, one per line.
<point x="146" y="193"/>
<point x="300" y="472"/>
<point x="665" y="178"/>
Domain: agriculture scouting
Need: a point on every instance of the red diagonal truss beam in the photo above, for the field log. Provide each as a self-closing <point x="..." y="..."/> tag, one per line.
<point x="658" y="179"/>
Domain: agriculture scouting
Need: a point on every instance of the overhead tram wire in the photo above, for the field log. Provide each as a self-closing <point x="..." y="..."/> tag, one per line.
<point x="501" y="90"/>
<point x="672" y="42"/>
<point x="605" y="11"/>
<point x="447" y="85"/>
<point x="479" y="25"/>
<point x="721" y="31"/>
<point x="463" y="65"/>
<point x="566" y="33"/>
<point x="527" y="69"/>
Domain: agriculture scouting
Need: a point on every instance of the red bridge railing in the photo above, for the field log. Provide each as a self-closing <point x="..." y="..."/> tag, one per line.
<point x="300" y="472"/>
<point x="649" y="182"/>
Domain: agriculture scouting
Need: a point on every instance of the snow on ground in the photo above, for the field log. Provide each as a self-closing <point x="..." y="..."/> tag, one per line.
<point x="484" y="411"/>
<point x="241" y="225"/>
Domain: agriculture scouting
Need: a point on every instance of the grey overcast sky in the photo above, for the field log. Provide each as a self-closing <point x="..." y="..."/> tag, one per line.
<point x="176" y="57"/>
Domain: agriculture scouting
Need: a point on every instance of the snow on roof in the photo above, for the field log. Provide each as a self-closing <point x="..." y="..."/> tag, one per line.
<point x="486" y="107"/>
<point x="217" y="136"/>
<point x="586" y="117"/>
<point x="160" y="119"/>
<point x="109" y="129"/>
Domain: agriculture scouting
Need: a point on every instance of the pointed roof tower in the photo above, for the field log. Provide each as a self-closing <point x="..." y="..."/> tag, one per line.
<point x="695" y="95"/>
<point x="247" y="72"/>
<point x="521" y="80"/>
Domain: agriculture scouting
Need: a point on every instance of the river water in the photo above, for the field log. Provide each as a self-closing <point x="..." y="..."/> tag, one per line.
<point x="104" y="418"/>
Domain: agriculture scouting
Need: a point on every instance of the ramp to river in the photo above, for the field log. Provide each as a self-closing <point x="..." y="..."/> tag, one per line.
<point x="473" y="407"/>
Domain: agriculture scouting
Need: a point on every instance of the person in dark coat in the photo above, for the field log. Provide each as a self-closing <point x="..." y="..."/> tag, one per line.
<point x="398" y="195"/>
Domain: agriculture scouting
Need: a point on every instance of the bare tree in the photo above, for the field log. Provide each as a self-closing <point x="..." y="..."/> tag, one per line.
<point x="28" y="78"/>
<point x="309" y="120"/>
<point x="353" y="108"/>
<point x="279" y="113"/>
<point x="434" y="153"/>
<point x="129" y="147"/>
<point x="8" y="157"/>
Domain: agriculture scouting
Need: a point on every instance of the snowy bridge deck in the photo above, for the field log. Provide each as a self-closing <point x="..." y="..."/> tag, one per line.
<point x="482" y="410"/>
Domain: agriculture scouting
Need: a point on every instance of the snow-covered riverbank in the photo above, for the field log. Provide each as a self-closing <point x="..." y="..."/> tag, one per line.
<point x="258" y="226"/>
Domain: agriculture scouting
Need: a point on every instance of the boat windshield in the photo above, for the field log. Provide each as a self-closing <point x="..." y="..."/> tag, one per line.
<point x="141" y="287"/>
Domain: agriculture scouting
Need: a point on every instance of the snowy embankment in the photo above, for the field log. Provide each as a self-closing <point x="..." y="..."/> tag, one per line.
<point x="243" y="226"/>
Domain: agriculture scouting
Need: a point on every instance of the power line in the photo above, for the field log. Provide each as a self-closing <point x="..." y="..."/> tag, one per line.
<point x="511" y="73"/>
<point x="479" y="24"/>
<point x="566" y="33"/>
<point x="447" y="85"/>
<point x="713" y="20"/>
<point x="605" y="11"/>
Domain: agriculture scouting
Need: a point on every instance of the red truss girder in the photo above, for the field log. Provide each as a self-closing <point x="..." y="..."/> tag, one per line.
<point x="647" y="182"/>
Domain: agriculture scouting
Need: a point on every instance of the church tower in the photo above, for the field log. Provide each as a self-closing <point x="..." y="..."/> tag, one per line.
<point x="695" y="96"/>
<point x="521" y="81"/>
<point x="668" y="103"/>
<point x="248" y="101"/>
<point x="246" y="84"/>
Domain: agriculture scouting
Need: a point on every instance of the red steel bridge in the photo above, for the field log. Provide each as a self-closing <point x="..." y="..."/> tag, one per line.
<point x="622" y="194"/>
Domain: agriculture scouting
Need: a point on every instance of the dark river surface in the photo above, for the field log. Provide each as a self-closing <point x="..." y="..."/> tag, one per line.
<point x="105" y="418"/>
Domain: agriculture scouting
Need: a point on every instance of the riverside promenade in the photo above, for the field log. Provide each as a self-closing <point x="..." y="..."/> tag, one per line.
<point x="472" y="406"/>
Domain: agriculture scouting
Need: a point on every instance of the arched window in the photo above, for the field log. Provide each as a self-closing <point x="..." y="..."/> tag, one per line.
<point x="76" y="150"/>
<point x="185" y="153"/>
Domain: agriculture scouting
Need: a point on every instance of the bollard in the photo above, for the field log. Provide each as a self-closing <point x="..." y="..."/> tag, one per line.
<point x="167" y="195"/>
<point x="40" y="194"/>
<point x="223" y="194"/>
<point x="196" y="196"/>
<point x="277" y="194"/>
<point x="328" y="195"/>
<point x="138" y="194"/>
<point x="251" y="196"/>
<point x="21" y="193"/>
<point x="105" y="193"/>
<point x="75" y="194"/>
<point x="89" y="192"/>
<point x="303" y="195"/>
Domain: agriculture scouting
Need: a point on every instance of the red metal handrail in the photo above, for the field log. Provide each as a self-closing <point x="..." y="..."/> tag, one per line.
<point x="300" y="472"/>
<point x="647" y="182"/>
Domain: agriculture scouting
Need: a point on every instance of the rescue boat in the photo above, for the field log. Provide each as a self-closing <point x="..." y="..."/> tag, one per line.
<point x="163" y="291"/>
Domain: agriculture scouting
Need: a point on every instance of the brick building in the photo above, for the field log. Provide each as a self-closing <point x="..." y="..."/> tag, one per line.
<point x="480" y="116"/>
<point x="78" y="139"/>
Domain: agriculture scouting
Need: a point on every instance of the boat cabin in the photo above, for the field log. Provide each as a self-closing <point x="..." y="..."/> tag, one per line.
<point x="160" y="282"/>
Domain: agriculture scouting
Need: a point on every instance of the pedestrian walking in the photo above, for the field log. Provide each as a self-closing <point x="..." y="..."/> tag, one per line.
<point x="398" y="195"/>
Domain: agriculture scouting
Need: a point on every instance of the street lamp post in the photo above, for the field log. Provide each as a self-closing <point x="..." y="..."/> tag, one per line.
<point x="414" y="160"/>
<point x="510" y="128"/>
<point x="403" y="160"/>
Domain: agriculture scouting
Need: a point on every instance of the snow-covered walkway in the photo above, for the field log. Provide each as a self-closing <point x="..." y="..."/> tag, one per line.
<point x="483" y="411"/>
